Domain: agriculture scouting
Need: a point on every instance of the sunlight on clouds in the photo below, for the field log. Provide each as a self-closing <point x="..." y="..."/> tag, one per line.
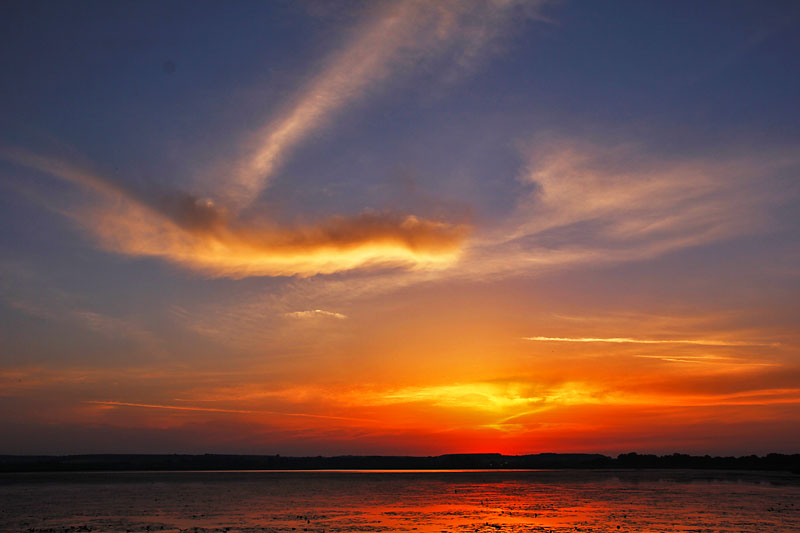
<point x="185" y="230"/>
<point x="713" y="360"/>
<point x="498" y="397"/>
<point x="490" y="397"/>
<point x="337" y="245"/>
<point x="624" y="340"/>
<point x="512" y="408"/>
<point x="315" y="313"/>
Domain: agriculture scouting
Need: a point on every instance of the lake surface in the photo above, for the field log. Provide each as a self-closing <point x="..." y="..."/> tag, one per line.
<point x="544" y="501"/>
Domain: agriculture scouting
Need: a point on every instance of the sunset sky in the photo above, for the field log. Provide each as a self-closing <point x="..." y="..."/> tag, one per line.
<point x="400" y="227"/>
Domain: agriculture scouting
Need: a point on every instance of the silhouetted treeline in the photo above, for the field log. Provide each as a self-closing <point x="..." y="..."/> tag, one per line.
<point x="118" y="462"/>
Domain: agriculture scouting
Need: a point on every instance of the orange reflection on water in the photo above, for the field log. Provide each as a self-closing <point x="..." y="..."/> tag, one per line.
<point x="432" y="501"/>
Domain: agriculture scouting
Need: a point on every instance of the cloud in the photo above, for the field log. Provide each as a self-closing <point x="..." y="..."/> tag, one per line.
<point x="623" y="196"/>
<point x="315" y="313"/>
<point x="600" y="203"/>
<point x="237" y="251"/>
<point x="517" y="399"/>
<point x="186" y="230"/>
<point x="494" y="396"/>
<point x="624" y="340"/>
<point x="507" y="399"/>
<point x="171" y="407"/>
<point x="401" y="35"/>
<point x="230" y="411"/>
<point x="713" y="360"/>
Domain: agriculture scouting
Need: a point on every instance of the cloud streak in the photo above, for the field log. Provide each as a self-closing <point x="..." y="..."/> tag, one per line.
<point x="626" y="340"/>
<point x="171" y="407"/>
<point x="623" y="198"/>
<point x="399" y="36"/>
<point x="316" y="313"/>
<point x="708" y="360"/>
<point x="217" y="410"/>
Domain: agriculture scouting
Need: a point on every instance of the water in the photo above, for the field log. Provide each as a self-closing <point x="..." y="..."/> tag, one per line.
<point x="543" y="501"/>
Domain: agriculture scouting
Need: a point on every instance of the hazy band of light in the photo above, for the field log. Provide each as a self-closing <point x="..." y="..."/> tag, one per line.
<point x="214" y="410"/>
<point x="626" y="340"/>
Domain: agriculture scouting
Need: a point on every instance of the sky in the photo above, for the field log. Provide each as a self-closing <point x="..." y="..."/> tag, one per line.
<point x="400" y="227"/>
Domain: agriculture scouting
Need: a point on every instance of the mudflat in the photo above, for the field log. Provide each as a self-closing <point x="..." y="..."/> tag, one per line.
<point x="371" y="501"/>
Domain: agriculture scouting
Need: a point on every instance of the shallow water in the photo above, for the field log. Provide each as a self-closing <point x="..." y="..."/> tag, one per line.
<point x="544" y="501"/>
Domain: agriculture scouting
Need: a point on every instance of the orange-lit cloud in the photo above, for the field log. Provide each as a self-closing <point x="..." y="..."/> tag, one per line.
<point x="625" y="340"/>
<point x="195" y="233"/>
<point x="494" y="396"/>
<point x="335" y="245"/>
<point x="709" y="360"/>
<point x="512" y="407"/>
<point x="450" y="411"/>
<point x="316" y="313"/>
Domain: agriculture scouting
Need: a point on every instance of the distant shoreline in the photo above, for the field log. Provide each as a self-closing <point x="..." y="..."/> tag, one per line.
<point x="443" y="463"/>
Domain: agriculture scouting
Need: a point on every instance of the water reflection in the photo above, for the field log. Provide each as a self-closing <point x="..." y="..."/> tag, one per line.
<point x="545" y="501"/>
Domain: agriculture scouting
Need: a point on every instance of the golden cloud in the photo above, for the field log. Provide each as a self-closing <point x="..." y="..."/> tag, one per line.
<point x="192" y="232"/>
<point x="237" y="251"/>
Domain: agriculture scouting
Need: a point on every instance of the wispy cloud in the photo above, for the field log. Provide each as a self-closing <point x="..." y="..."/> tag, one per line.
<point x="399" y="36"/>
<point x="625" y="340"/>
<point x="622" y="193"/>
<point x="316" y="313"/>
<point x="708" y="360"/>
<point x="602" y="203"/>
<point x="217" y="410"/>
<point x="195" y="233"/>
<point x="170" y="407"/>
